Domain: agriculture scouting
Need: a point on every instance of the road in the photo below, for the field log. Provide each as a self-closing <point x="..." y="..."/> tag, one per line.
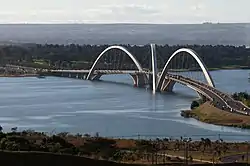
<point x="220" y="100"/>
<point x="235" y="158"/>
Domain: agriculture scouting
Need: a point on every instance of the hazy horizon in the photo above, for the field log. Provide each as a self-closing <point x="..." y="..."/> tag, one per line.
<point x="134" y="34"/>
<point x="125" y="23"/>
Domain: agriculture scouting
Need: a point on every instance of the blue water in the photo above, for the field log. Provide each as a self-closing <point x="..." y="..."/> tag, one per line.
<point x="59" y="104"/>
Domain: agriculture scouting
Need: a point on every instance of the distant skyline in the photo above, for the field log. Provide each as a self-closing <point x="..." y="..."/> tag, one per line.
<point x="125" y="11"/>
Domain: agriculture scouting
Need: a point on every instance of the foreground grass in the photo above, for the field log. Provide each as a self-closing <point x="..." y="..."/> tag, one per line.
<point x="158" y="151"/>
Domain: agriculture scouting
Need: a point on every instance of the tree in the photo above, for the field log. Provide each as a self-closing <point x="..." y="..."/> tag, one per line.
<point x="14" y="129"/>
<point x="243" y="157"/>
<point x="118" y="156"/>
<point x="3" y="143"/>
<point x="87" y="135"/>
<point x="194" y="105"/>
<point x="63" y="134"/>
<point x="97" y="134"/>
<point x="190" y="158"/>
<point x="55" y="148"/>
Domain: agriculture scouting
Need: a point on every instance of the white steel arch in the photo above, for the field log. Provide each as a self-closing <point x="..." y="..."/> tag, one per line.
<point x="110" y="48"/>
<point x="154" y="67"/>
<point x="198" y="60"/>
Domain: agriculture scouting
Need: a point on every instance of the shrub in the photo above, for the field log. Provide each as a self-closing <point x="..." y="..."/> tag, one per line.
<point x="195" y="104"/>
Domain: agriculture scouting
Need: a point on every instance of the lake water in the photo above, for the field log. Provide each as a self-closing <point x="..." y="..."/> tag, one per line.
<point x="114" y="109"/>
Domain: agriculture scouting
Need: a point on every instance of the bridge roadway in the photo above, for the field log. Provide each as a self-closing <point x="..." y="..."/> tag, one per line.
<point x="221" y="100"/>
<point x="102" y="71"/>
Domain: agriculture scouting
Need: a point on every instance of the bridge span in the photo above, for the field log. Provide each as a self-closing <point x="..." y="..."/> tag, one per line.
<point x="164" y="80"/>
<point x="220" y="100"/>
<point x="102" y="71"/>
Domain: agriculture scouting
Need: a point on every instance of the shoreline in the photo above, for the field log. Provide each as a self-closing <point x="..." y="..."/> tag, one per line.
<point x="19" y="75"/>
<point x="207" y="113"/>
<point x="219" y="68"/>
<point x="230" y="68"/>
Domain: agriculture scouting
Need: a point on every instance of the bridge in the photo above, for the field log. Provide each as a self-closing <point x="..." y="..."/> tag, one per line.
<point x="162" y="81"/>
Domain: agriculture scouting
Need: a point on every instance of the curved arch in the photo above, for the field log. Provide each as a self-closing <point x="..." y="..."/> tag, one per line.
<point x="110" y="48"/>
<point x="198" y="60"/>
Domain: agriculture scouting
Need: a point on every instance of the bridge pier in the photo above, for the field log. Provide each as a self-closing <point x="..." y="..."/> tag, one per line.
<point x="150" y="81"/>
<point x="82" y="76"/>
<point x="154" y="68"/>
<point x="65" y="74"/>
<point x="95" y="77"/>
<point x="73" y="75"/>
<point x="167" y="85"/>
<point x="140" y="80"/>
<point x="203" y="97"/>
<point x="56" y="74"/>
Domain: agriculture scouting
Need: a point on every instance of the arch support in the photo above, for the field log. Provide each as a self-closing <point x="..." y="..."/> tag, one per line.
<point x="198" y="60"/>
<point x="132" y="57"/>
<point x="167" y="85"/>
<point x="154" y="67"/>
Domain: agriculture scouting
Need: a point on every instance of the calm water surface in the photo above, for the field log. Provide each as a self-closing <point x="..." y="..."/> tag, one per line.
<point x="112" y="109"/>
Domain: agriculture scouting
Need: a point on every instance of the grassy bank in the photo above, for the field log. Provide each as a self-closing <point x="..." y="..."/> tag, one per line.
<point x="209" y="114"/>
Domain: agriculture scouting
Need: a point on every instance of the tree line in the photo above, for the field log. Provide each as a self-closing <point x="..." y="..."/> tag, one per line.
<point x="243" y="97"/>
<point x="82" y="56"/>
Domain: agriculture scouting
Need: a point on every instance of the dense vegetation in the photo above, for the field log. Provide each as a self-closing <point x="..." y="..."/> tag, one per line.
<point x="243" y="97"/>
<point x="119" y="150"/>
<point x="82" y="56"/>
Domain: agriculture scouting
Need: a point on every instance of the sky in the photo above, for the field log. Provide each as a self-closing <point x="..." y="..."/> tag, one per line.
<point x="124" y="11"/>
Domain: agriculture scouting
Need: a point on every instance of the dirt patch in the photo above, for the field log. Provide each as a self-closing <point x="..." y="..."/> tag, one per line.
<point x="123" y="143"/>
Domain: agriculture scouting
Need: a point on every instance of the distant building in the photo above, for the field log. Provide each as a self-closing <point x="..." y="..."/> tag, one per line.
<point x="207" y="23"/>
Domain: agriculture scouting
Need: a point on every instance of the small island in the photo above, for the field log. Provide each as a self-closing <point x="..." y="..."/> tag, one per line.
<point x="206" y="112"/>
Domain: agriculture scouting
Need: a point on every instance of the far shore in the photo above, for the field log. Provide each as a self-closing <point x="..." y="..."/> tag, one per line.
<point x="217" y="69"/>
<point x="209" y="114"/>
<point x="230" y="68"/>
<point x="19" y="75"/>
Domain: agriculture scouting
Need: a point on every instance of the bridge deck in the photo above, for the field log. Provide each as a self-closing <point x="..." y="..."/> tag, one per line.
<point x="102" y="71"/>
<point x="222" y="100"/>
